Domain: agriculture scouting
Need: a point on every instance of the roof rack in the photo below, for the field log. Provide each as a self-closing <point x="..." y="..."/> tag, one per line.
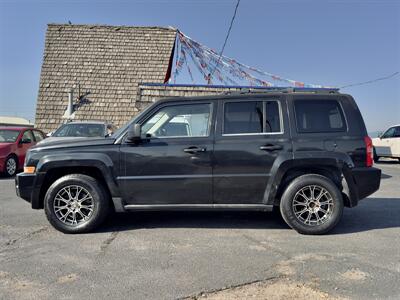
<point x="285" y="90"/>
<point x="252" y="89"/>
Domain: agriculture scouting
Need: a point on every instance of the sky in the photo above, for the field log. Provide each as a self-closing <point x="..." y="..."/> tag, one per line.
<point x="333" y="43"/>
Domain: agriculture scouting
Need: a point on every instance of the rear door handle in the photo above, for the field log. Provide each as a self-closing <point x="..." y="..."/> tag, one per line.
<point x="194" y="150"/>
<point x="271" y="147"/>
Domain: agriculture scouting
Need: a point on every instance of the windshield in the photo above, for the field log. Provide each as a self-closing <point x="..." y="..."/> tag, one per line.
<point x="80" y="130"/>
<point x="8" y="136"/>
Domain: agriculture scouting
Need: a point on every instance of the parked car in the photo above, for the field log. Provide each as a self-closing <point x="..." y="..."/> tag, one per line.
<point x="387" y="144"/>
<point x="81" y="129"/>
<point x="305" y="152"/>
<point x="14" y="142"/>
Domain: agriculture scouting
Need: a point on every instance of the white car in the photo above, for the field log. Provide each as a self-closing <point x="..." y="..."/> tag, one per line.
<point x="388" y="144"/>
<point x="80" y="130"/>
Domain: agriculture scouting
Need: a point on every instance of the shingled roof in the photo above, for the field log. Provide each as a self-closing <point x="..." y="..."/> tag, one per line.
<point x="105" y="65"/>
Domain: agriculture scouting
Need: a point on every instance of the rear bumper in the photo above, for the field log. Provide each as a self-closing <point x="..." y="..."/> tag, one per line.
<point x="367" y="181"/>
<point x="361" y="182"/>
<point x="27" y="188"/>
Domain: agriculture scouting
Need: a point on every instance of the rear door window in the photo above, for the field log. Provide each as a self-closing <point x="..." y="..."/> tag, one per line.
<point x="243" y="117"/>
<point x="252" y="117"/>
<point x="313" y="116"/>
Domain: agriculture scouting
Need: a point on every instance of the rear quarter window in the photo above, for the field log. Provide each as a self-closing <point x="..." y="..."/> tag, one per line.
<point x="313" y="116"/>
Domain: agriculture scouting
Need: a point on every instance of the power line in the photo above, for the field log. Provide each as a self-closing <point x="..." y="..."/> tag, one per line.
<point x="226" y="38"/>
<point x="370" y="81"/>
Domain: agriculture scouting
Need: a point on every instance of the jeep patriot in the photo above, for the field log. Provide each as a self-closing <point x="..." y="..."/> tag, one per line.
<point x="305" y="152"/>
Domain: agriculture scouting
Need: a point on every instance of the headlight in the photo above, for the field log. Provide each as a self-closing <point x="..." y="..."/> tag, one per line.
<point x="29" y="170"/>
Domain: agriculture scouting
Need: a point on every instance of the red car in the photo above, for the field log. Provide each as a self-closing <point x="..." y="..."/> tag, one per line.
<point x="14" y="142"/>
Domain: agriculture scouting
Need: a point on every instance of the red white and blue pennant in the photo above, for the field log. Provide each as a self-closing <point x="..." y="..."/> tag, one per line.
<point x="216" y="69"/>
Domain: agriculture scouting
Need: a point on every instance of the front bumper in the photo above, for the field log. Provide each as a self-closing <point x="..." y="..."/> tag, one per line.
<point x="27" y="188"/>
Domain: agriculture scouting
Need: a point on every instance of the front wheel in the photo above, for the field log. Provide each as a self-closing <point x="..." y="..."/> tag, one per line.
<point x="312" y="204"/>
<point x="76" y="203"/>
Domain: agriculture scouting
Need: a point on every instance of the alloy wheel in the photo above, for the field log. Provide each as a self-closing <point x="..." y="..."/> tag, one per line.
<point x="73" y="205"/>
<point x="11" y="166"/>
<point x="313" y="205"/>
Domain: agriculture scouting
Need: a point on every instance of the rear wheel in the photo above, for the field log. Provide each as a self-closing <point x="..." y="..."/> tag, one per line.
<point x="312" y="204"/>
<point x="76" y="203"/>
<point x="11" y="166"/>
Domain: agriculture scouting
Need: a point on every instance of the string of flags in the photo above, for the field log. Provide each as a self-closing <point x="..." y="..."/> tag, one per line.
<point x="216" y="69"/>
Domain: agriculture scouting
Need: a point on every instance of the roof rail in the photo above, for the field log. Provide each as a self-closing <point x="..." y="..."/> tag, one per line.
<point x="285" y="90"/>
<point x="251" y="89"/>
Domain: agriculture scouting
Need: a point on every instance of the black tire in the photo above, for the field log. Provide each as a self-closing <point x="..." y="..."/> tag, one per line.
<point x="13" y="160"/>
<point x="99" y="203"/>
<point x="302" y="183"/>
<point x="376" y="157"/>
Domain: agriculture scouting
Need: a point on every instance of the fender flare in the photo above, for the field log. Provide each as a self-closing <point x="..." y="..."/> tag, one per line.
<point x="100" y="161"/>
<point x="321" y="159"/>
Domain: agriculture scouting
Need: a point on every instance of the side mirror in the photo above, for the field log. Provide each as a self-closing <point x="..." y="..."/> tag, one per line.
<point x="50" y="134"/>
<point x="134" y="133"/>
<point x="25" y="141"/>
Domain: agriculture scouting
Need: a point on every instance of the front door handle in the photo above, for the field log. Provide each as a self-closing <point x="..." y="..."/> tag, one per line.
<point x="194" y="150"/>
<point x="271" y="147"/>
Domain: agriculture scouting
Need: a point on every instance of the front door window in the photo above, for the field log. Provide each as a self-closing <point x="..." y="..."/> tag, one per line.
<point x="188" y="120"/>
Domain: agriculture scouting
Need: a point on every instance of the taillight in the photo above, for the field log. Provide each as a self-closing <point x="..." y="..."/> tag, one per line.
<point x="370" y="151"/>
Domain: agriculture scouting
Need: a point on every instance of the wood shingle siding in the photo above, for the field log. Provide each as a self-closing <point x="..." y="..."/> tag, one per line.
<point x="107" y="62"/>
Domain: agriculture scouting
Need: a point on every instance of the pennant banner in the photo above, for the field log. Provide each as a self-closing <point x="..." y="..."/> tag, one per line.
<point x="216" y="69"/>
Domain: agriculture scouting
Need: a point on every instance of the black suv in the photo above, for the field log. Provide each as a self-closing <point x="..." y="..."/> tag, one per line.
<point x="306" y="152"/>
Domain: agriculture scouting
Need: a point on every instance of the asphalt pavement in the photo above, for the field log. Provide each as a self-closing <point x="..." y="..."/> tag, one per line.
<point x="171" y="255"/>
